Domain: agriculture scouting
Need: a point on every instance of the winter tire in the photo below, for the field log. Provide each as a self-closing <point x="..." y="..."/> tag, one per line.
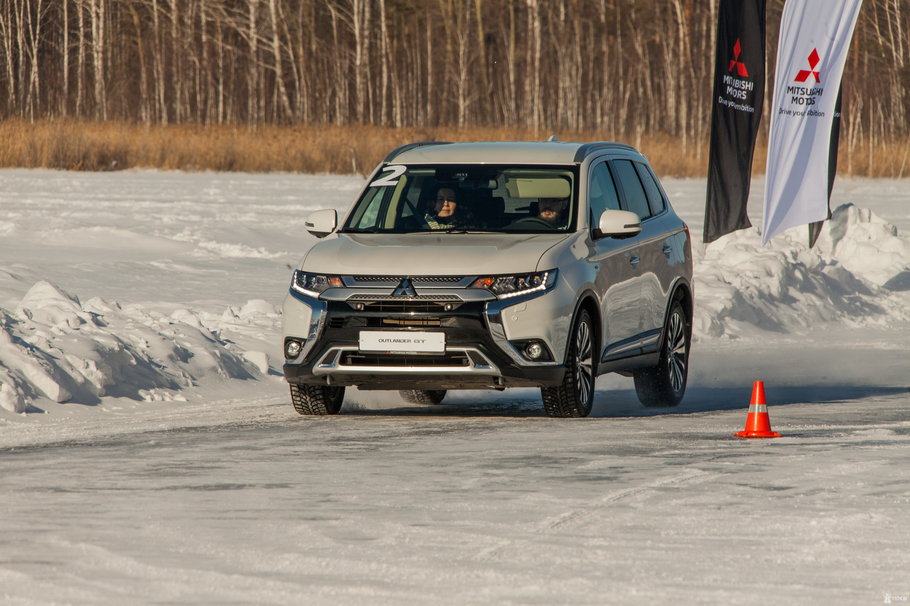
<point x="575" y="397"/>
<point x="665" y="384"/>
<point x="317" y="399"/>
<point x="423" y="396"/>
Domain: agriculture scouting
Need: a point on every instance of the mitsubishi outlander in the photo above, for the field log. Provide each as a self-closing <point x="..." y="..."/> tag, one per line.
<point x="494" y="265"/>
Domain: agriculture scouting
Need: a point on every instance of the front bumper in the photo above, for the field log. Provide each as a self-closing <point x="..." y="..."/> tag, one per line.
<point x="478" y="353"/>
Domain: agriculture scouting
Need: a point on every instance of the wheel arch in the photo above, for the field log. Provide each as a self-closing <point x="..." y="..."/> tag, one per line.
<point x="588" y="301"/>
<point x="682" y="292"/>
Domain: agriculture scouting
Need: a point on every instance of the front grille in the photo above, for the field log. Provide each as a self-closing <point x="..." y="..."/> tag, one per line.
<point x="409" y="307"/>
<point x="418" y="321"/>
<point x="354" y="358"/>
<point x="386" y="322"/>
<point x="420" y="304"/>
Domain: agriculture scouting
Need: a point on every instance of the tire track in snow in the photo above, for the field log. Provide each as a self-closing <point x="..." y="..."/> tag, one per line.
<point x="692" y="475"/>
<point x="564" y="519"/>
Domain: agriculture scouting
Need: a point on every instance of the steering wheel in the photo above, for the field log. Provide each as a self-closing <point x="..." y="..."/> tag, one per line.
<point x="533" y="223"/>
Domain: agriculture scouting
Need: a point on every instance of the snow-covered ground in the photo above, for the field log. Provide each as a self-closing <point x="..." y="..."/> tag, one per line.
<point x="149" y="454"/>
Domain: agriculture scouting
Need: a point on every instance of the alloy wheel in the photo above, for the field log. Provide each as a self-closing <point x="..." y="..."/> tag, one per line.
<point x="676" y="351"/>
<point x="584" y="365"/>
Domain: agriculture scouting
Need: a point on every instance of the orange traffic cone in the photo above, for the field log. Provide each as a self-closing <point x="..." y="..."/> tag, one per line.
<point x="757" y="423"/>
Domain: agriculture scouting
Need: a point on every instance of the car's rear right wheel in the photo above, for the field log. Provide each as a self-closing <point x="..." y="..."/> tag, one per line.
<point x="665" y="384"/>
<point x="575" y="397"/>
<point x="422" y="396"/>
<point x="317" y="399"/>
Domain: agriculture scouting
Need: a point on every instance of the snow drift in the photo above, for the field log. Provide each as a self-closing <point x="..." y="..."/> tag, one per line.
<point x="53" y="345"/>
<point x="858" y="273"/>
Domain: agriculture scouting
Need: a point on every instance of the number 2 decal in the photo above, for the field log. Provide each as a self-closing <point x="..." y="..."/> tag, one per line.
<point x="390" y="179"/>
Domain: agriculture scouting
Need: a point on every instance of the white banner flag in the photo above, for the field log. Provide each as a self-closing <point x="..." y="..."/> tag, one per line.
<point x="815" y="36"/>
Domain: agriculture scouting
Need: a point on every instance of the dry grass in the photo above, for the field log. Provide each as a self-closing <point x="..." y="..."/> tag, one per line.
<point x="93" y="146"/>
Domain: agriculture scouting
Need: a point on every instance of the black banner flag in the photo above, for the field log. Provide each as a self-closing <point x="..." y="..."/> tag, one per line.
<point x="739" y="91"/>
<point x="815" y="229"/>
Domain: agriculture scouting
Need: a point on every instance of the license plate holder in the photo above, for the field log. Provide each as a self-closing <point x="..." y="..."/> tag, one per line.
<point x="402" y="342"/>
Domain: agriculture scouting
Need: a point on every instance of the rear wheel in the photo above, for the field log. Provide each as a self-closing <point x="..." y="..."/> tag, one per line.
<point x="317" y="399"/>
<point x="665" y="384"/>
<point x="422" y="396"/>
<point x="575" y="397"/>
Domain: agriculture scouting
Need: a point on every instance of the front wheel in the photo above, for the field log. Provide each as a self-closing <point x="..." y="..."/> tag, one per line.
<point x="665" y="384"/>
<point x="317" y="399"/>
<point x="575" y="397"/>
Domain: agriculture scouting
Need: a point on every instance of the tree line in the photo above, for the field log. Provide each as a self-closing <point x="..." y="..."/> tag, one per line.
<point x="626" y="67"/>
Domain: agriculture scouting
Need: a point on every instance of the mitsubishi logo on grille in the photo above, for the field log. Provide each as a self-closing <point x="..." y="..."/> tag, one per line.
<point x="405" y="289"/>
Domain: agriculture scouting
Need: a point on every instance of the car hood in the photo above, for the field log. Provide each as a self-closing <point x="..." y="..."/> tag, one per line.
<point x="428" y="254"/>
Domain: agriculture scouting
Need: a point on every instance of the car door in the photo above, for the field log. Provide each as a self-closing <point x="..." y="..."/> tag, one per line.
<point x="617" y="277"/>
<point x="658" y="254"/>
<point x="651" y="245"/>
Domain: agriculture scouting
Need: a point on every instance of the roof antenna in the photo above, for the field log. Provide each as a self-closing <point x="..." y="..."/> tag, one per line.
<point x="553" y="138"/>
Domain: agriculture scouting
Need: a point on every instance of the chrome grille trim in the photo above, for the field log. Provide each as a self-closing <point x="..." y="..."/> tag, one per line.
<point x="415" y="280"/>
<point x="402" y="298"/>
<point x="468" y="361"/>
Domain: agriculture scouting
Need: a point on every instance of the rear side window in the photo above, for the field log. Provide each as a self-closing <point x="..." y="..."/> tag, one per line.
<point x="603" y="192"/>
<point x="636" y="199"/>
<point x="655" y="199"/>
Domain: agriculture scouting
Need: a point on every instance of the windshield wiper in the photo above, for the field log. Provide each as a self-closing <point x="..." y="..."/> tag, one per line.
<point x="462" y="230"/>
<point x="360" y="230"/>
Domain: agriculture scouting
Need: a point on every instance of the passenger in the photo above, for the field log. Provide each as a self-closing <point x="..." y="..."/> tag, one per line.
<point x="447" y="213"/>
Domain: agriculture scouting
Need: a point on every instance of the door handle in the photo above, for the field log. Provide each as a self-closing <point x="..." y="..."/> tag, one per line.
<point x="668" y="250"/>
<point x="634" y="260"/>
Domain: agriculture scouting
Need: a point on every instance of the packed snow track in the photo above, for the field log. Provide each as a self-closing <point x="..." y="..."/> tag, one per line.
<point x="149" y="453"/>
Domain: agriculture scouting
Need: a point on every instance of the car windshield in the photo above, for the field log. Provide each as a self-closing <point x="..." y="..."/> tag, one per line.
<point x="458" y="199"/>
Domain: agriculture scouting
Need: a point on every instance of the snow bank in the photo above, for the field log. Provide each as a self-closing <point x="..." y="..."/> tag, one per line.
<point x="53" y="345"/>
<point x="858" y="273"/>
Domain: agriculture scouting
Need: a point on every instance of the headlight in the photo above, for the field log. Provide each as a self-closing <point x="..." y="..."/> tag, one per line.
<point x="505" y="287"/>
<point x="312" y="285"/>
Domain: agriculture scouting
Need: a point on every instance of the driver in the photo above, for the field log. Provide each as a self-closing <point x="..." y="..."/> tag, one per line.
<point x="551" y="209"/>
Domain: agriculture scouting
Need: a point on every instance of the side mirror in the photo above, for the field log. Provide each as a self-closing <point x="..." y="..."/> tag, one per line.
<point x="322" y="222"/>
<point x="618" y="224"/>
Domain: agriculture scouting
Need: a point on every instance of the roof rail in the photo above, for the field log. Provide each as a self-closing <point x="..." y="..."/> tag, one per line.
<point x="400" y="150"/>
<point x="589" y="148"/>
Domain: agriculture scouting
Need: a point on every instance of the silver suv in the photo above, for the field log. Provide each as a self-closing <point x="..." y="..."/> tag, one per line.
<point x="494" y="265"/>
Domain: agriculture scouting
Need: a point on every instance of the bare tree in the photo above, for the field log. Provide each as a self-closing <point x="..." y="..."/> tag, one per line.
<point x="279" y="71"/>
<point x="97" y="15"/>
<point x="630" y="67"/>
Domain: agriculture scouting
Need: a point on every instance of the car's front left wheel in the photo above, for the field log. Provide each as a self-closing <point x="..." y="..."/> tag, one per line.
<point x="317" y="399"/>
<point x="575" y="397"/>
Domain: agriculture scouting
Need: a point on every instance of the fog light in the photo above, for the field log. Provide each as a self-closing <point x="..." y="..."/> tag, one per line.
<point x="358" y="306"/>
<point x="449" y="306"/>
<point x="292" y="349"/>
<point x="533" y="350"/>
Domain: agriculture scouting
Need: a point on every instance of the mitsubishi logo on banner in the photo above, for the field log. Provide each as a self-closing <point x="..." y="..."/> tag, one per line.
<point x="804" y="74"/>
<point x="740" y="66"/>
<point x="405" y="289"/>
